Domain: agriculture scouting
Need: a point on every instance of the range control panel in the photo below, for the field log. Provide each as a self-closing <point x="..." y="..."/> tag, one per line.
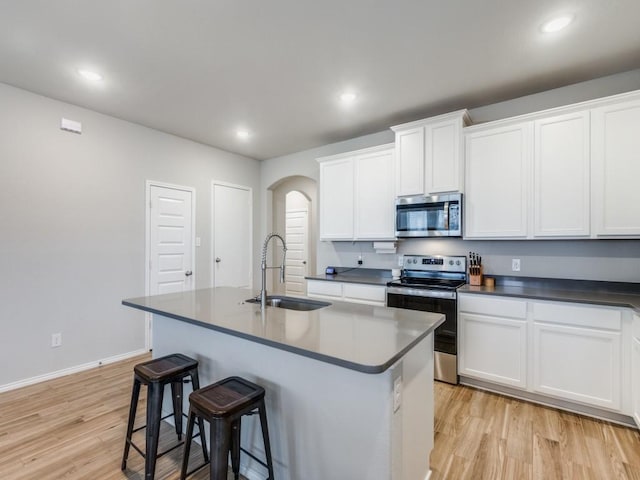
<point x="435" y="263"/>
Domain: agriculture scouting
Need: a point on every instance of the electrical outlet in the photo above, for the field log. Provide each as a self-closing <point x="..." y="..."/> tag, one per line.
<point x="56" y="340"/>
<point x="515" y="264"/>
<point x="397" y="393"/>
<point x="360" y="260"/>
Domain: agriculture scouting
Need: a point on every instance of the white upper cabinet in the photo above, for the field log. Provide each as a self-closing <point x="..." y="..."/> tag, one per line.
<point x="429" y="155"/>
<point x="410" y="161"/>
<point x="616" y="168"/>
<point x="444" y="155"/>
<point x="568" y="172"/>
<point x="497" y="181"/>
<point x="357" y="195"/>
<point x="374" y="196"/>
<point x="336" y="199"/>
<point x="562" y="176"/>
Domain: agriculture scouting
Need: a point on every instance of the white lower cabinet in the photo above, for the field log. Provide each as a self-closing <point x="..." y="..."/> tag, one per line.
<point x="348" y="292"/>
<point x="492" y="334"/>
<point x="577" y="353"/>
<point x="568" y="351"/>
<point x="635" y="370"/>
<point x="321" y="289"/>
<point x="493" y="348"/>
<point x="578" y="364"/>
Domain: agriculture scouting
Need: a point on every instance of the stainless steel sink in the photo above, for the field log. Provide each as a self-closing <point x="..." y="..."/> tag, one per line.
<point x="291" y="303"/>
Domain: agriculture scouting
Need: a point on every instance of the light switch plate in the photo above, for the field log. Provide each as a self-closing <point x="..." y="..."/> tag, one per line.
<point x="515" y="264"/>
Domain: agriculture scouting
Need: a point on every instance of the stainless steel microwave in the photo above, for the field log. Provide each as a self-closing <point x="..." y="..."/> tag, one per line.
<point x="432" y="216"/>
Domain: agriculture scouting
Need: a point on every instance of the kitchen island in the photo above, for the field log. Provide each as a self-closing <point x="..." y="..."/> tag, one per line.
<point x="349" y="387"/>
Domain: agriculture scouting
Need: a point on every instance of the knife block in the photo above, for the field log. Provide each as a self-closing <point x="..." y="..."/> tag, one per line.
<point x="476" y="280"/>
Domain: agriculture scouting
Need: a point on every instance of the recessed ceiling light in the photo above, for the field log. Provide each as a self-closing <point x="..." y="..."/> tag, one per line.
<point x="556" y="24"/>
<point x="348" y="97"/>
<point x="242" y="134"/>
<point x="89" y="75"/>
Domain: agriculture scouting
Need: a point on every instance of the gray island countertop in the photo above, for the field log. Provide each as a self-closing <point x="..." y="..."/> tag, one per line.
<point x="364" y="338"/>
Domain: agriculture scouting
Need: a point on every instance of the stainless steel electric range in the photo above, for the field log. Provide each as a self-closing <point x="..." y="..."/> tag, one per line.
<point x="429" y="283"/>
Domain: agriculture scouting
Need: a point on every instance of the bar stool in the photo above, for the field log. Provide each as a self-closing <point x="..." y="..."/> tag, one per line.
<point x="223" y="404"/>
<point x="156" y="374"/>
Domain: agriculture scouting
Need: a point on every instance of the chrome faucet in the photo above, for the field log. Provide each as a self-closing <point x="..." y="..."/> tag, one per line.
<point x="263" y="267"/>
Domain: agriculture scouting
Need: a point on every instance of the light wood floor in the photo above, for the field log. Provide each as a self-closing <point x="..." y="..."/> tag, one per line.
<point x="480" y="435"/>
<point x="73" y="428"/>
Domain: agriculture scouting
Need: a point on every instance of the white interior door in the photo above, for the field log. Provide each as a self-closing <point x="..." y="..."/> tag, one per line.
<point x="171" y="239"/>
<point x="296" y="233"/>
<point x="232" y="236"/>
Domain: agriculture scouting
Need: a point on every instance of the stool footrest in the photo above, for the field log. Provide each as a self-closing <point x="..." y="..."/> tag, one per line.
<point x="163" y="418"/>
<point x="255" y="458"/>
<point x="144" y="455"/>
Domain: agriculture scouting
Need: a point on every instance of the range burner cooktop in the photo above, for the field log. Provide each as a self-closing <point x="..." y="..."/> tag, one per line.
<point x="432" y="272"/>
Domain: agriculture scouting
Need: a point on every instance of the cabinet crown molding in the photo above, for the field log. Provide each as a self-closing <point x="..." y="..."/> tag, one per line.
<point x="354" y="153"/>
<point x="462" y="114"/>
<point x="560" y="110"/>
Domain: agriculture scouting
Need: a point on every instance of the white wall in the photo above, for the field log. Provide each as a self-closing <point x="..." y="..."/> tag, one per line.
<point x="614" y="260"/>
<point x="73" y="219"/>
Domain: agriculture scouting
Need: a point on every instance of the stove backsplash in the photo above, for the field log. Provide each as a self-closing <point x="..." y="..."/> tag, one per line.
<point x="610" y="260"/>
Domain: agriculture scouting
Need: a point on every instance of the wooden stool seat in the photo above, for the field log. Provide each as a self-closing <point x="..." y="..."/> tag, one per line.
<point x="165" y="368"/>
<point x="222" y="404"/>
<point x="226" y="397"/>
<point x="156" y="374"/>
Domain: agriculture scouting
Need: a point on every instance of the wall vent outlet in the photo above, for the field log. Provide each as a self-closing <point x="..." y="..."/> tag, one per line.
<point x="71" y="126"/>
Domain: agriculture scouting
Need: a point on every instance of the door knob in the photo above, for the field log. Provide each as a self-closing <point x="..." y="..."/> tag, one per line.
<point x="218" y="260"/>
<point x="304" y="262"/>
<point x="188" y="273"/>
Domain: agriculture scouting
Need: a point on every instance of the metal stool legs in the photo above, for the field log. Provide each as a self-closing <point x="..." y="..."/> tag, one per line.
<point x="265" y="438"/>
<point x="133" y="407"/>
<point x="156" y="374"/>
<point x="223" y="404"/>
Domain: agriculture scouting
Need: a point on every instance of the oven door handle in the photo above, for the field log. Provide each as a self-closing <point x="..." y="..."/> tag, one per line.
<point x="419" y="292"/>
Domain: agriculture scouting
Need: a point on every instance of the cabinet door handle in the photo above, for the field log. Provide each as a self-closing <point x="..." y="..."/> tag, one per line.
<point x="218" y="260"/>
<point x="188" y="273"/>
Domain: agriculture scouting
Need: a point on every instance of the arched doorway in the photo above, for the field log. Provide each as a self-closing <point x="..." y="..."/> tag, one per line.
<point x="294" y="209"/>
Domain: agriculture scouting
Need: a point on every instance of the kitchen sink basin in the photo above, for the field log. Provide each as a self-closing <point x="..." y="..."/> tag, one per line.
<point x="291" y="303"/>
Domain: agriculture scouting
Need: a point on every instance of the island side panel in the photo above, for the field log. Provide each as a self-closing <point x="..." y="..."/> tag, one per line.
<point x="417" y="410"/>
<point x="325" y="421"/>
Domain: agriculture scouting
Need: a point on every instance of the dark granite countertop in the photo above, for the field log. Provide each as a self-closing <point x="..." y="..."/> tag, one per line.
<point x="370" y="276"/>
<point x="615" y="294"/>
<point x="364" y="338"/>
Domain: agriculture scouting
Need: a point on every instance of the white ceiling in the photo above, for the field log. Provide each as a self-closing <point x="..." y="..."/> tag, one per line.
<point x="203" y="68"/>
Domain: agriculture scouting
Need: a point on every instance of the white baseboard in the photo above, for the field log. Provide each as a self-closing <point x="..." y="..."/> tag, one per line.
<point x="70" y="370"/>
